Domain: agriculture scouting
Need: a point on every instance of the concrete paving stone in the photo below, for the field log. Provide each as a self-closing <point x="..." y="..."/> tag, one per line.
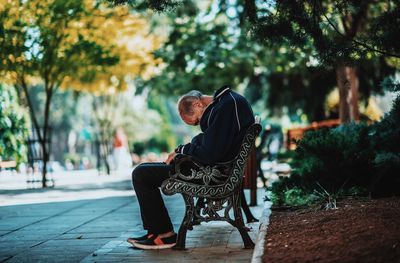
<point x="82" y="211"/>
<point x="17" y="245"/>
<point x="192" y="241"/>
<point x="235" y="244"/>
<point x="72" y="231"/>
<point x="35" y="237"/>
<point x="68" y="219"/>
<point x="19" y="221"/>
<point x="192" y="261"/>
<point x="118" y="249"/>
<point x="44" y="210"/>
<point x="115" y="255"/>
<point x="30" y="259"/>
<point x="108" y="260"/>
<point x="112" y="244"/>
<point x="124" y="244"/>
<point x="54" y="224"/>
<point x="4" y="232"/>
<point x="95" y="229"/>
<point x="220" y="242"/>
<point x="3" y="258"/>
<point x="147" y="260"/>
<point x="132" y="233"/>
<point x="9" y="227"/>
<point x="74" y="242"/>
<point x="56" y="229"/>
<point x="94" y="235"/>
<point x="136" y="253"/>
<point x="73" y="254"/>
<point x="45" y="259"/>
<point x="132" y="259"/>
<point x="90" y="230"/>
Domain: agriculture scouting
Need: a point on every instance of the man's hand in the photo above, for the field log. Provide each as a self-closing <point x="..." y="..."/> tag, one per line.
<point x="170" y="158"/>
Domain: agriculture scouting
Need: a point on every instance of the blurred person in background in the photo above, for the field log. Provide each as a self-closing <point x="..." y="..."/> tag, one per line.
<point x="122" y="157"/>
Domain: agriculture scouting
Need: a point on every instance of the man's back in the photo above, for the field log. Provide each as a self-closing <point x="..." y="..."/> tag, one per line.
<point x="223" y="124"/>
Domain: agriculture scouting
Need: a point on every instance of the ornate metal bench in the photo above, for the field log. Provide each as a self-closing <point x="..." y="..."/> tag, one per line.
<point x="219" y="185"/>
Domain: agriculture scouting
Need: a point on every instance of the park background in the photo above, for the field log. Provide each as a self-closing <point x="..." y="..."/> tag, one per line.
<point x="92" y="86"/>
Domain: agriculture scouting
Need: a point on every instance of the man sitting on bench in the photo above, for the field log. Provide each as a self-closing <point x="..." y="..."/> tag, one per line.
<point x="224" y="119"/>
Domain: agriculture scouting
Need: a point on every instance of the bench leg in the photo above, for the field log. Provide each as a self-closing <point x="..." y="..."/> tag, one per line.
<point x="239" y="224"/>
<point x="249" y="216"/>
<point x="186" y="223"/>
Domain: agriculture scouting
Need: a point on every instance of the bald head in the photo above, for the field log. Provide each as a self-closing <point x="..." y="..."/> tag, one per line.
<point x="191" y="106"/>
<point x="185" y="104"/>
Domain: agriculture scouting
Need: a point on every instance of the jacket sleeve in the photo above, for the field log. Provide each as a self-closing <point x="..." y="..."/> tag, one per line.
<point x="212" y="145"/>
<point x="196" y="140"/>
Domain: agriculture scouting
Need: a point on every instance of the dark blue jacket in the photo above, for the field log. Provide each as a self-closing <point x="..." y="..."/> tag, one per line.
<point x="223" y="125"/>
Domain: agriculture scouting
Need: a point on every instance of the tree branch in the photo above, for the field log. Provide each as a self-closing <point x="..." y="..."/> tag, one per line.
<point x="358" y="18"/>
<point x="250" y="9"/>
<point x="361" y="43"/>
<point x="314" y="31"/>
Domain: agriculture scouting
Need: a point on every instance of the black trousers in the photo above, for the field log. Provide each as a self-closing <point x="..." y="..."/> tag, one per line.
<point x="146" y="180"/>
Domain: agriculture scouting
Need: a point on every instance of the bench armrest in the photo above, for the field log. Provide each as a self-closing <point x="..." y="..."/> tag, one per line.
<point x="186" y="168"/>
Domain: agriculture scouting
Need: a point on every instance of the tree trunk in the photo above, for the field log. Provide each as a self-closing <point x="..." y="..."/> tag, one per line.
<point x="106" y="154"/>
<point x="41" y="137"/>
<point x="46" y="135"/>
<point x="104" y="125"/>
<point x="347" y="82"/>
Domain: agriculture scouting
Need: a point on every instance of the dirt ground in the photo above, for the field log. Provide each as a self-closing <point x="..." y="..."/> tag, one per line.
<point x="357" y="231"/>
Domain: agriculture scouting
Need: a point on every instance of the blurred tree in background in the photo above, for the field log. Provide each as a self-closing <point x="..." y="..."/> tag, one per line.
<point x="13" y="126"/>
<point x="66" y="115"/>
<point x="63" y="44"/>
<point x="284" y="53"/>
<point x="343" y="34"/>
<point x="285" y="56"/>
<point x="205" y="49"/>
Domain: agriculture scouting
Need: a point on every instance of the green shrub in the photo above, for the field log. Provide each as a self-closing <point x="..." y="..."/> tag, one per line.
<point x="337" y="158"/>
<point x="386" y="146"/>
<point x="353" y="159"/>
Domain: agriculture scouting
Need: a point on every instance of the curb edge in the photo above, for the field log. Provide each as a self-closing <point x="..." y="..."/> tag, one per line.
<point x="264" y="222"/>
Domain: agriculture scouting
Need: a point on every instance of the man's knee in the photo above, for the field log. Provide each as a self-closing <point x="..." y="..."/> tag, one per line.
<point x="138" y="173"/>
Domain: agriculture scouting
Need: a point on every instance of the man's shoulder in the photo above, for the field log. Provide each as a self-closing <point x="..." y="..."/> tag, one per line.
<point x="227" y="96"/>
<point x="225" y="102"/>
<point x="231" y="98"/>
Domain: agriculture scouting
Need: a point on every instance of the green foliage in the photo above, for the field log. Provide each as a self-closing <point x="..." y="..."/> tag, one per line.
<point x="155" y="5"/>
<point x="156" y="144"/>
<point x="328" y="164"/>
<point x="340" y="30"/>
<point x="293" y="197"/>
<point x="138" y="147"/>
<point x="335" y="158"/>
<point x="13" y="126"/>
<point x="353" y="159"/>
<point x="73" y="158"/>
<point x="386" y="145"/>
<point x="165" y="139"/>
<point x="201" y="53"/>
<point x="281" y="64"/>
<point x="389" y="83"/>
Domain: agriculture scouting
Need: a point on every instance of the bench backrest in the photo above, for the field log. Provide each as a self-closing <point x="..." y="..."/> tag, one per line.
<point x="234" y="174"/>
<point x="244" y="153"/>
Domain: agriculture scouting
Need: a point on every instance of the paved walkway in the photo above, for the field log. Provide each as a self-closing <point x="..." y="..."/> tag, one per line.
<point x="90" y="222"/>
